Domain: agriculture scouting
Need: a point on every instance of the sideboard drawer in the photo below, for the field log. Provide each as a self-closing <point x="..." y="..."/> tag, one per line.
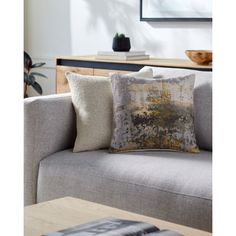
<point x="61" y="81"/>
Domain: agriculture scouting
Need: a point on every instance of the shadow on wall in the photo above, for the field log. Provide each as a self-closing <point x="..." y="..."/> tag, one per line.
<point x="185" y="34"/>
<point x="124" y="16"/>
<point x="120" y="16"/>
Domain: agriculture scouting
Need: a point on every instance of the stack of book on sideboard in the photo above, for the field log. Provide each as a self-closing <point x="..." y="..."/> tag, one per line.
<point x="122" y="56"/>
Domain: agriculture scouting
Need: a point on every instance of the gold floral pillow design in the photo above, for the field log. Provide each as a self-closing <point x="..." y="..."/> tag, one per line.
<point x="153" y="114"/>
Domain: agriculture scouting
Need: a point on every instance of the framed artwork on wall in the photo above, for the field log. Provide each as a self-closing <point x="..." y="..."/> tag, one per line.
<point x="176" y="10"/>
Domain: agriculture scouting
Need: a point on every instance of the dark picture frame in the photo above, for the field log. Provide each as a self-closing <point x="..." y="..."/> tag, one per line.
<point x="171" y="19"/>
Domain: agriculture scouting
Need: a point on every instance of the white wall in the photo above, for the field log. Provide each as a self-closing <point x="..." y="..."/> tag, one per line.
<point x="47" y="35"/>
<point x="73" y="27"/>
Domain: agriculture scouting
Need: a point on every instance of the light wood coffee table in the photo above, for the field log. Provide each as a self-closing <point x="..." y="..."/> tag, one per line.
<point x="66" y="212"/>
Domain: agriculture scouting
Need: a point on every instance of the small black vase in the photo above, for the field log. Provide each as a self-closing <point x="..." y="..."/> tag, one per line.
<point x="121" y="44"/>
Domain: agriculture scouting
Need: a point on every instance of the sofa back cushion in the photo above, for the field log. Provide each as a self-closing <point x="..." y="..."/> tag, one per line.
<point x="202" y="102"/>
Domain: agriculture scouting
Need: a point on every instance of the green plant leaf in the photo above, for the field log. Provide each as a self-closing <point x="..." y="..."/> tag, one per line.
<point x="38" y="64"/>
<point x="27" y="61"/>
<point x="26" y="77"/>
<point x="39" y="74"/>
<point x="37" y="88"/>
<point x="31" y="79"/>
<point x="121" y="36"/>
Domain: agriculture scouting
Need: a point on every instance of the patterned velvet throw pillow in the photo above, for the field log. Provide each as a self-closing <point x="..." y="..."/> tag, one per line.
<point x="153" y="114"/>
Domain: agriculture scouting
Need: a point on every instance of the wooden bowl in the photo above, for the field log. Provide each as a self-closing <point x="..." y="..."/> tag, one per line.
<point x="201" y="57"/>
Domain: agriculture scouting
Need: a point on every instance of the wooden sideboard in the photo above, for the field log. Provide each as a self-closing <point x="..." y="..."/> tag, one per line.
<point x="88" y="65"/>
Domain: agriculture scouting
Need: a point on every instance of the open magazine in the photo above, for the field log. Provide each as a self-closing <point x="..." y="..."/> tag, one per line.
<point x="114" y="227"/>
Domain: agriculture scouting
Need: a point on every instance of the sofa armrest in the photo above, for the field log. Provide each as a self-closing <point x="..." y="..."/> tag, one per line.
<point x="49" y="126"/>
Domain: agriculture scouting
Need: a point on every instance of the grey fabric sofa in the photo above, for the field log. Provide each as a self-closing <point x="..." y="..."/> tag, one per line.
<point x="172" y="186"/>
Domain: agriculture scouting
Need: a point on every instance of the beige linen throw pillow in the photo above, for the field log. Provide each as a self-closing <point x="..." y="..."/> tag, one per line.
<point x="93" y="103"/>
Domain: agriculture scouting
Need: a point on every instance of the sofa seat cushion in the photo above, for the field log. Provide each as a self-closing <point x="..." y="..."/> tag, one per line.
<point x="172" y="186"/>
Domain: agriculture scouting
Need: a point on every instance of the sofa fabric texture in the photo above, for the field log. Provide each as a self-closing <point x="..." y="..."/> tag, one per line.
<point x="49" y="126"/>
<point x="92" y="100"/>
<point x="172" y="186"/>
<point x="153" y="113"/>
